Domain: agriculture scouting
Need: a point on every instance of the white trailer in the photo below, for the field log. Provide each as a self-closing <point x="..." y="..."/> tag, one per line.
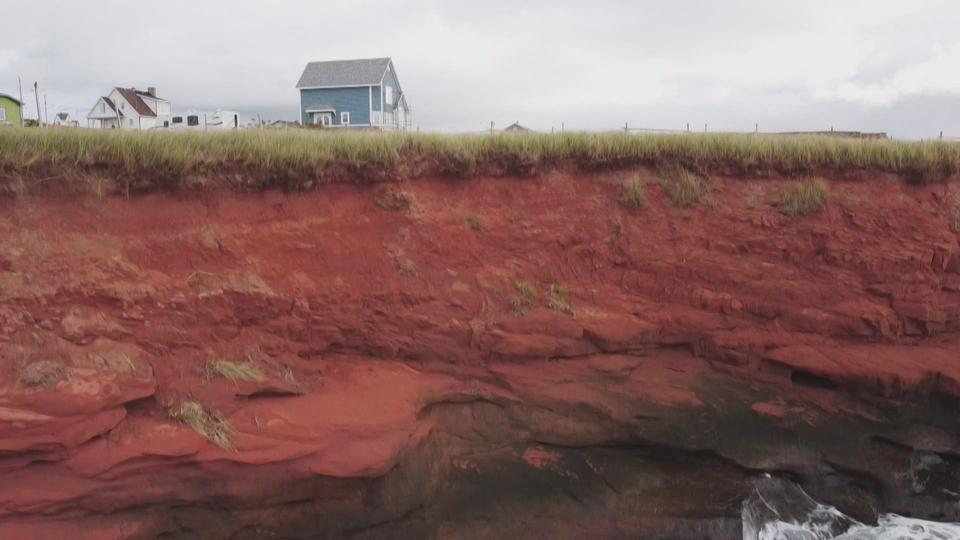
<point x="200" y="120"/>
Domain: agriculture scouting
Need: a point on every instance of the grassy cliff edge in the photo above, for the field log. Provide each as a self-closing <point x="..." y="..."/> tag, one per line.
<point x="259" y="159"/>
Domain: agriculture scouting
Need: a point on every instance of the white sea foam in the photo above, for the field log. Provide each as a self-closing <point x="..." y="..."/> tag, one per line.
<point x="780" y="510"/>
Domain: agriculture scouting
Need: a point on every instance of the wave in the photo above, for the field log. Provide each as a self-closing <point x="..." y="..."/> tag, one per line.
<point x="781" y="510"/>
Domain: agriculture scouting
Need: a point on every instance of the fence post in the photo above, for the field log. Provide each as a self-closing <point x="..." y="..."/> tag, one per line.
<point x="626" y="128"/>
<point x="688" y="127"/>
<point x="704" y="127"/>
<point x="756" y="128"/>
<point x="941" y="134"/>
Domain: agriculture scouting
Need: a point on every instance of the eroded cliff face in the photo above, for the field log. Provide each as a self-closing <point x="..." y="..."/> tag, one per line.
<point x="410" y="388"/>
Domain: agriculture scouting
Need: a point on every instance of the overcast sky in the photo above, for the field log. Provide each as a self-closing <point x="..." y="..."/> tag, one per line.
<point x="873" y="65"/>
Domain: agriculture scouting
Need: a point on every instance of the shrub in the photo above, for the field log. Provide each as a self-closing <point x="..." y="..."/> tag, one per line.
<point x="559" y="299"/>
<point x="632" y="193"/>
<point x="685" y="188"/>
<point x="233" y="371"/>
<point x="209" y="424"/>
<point x="805" y="198"/>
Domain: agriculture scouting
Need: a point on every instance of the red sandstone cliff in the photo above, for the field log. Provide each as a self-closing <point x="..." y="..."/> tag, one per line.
<point x="408" y="389"/>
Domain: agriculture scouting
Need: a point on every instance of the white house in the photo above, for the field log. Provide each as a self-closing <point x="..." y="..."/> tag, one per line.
<point x="129" y="108"/>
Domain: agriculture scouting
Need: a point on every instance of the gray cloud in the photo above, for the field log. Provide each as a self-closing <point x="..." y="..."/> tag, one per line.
<point x="792" y="64"/>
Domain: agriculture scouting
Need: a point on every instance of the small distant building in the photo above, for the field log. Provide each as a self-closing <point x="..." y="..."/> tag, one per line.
<point x="62" y="119"/>
<point x="199" y="120"/>
<point x="129" y="108"/>
<point x="353" y="94"/>
<point x="516" y="128"/>
<point x="11" y="110"/>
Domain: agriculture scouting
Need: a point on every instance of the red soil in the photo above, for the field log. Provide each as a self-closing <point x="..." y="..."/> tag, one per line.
<point x="391" y="349"/>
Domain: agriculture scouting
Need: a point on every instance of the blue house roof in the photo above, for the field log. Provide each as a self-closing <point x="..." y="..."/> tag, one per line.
<point x="368" y="71"/>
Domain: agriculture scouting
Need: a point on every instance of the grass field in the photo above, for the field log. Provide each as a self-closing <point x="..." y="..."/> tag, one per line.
<point x="339" y="156"/>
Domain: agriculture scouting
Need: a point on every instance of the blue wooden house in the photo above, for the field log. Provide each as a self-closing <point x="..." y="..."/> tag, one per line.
<point x="363" y="94"/>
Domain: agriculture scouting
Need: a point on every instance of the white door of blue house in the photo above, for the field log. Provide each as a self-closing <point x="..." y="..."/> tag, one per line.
<point x="323" y="119"/>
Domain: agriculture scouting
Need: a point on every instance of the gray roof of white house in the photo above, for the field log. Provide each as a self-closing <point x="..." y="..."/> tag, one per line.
<point x="344" y="72"/>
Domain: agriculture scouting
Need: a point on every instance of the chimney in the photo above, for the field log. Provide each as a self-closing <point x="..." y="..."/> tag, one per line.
<point x="152" y="90"/>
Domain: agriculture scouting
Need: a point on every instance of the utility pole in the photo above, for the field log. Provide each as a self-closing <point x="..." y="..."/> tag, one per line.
<point x="20" y="87"/>
<point x="491" y="127"/>
<point x="37" y="97"/>
<point x="46" y="113"/>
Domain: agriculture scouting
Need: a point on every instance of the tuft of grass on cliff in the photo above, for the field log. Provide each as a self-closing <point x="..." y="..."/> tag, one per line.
<point x="522" y="303"/>
<point x="42" y="374"/>
<point x="397" y="200"/>
<point x="685" y="188"/>
<point x="233" y="371"/>
<point x="300" y="159"/>
<point x="805" y="198"/>
<point x="558" y="299"/>
<point x="476" y="223"/>
<point x="209" y="424"/>
<point x="632" y="192"/>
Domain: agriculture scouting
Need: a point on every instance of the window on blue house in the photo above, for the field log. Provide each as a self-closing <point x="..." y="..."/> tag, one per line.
<point x="345" y="118"/>
<point x="388" y="94"/>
